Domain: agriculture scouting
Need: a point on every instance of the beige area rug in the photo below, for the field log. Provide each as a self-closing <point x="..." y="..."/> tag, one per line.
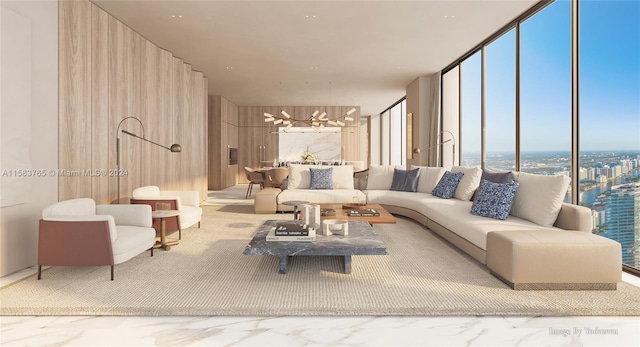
<point x="207" y="274"/>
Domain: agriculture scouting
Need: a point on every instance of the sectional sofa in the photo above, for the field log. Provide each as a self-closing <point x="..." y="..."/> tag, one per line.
<point x="544" y="243"/>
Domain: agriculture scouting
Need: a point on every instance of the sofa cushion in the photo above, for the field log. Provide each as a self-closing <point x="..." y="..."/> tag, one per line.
<point x="321" y="178"/>
<point x="469" y="182"/>
<point x="447" y="185"/>
<point x="428" y="177"/>
<point x="494" y="199"/>
<point x="539" y="197"/>
<point x="300" y="176"/>
<point x="380" y="176"/>
<point x="454" y="215"/>
<point x="405" y="180"/>
<point x="418" y="202"/>
<point x="321" y="196"/>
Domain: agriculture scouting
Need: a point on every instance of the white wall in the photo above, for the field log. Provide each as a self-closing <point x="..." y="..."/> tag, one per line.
<point x="451" y="117"/>
<point x="19" y="223"/>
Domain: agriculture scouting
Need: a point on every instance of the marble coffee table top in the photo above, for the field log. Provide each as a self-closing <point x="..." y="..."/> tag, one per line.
<point x="361" y="240"/>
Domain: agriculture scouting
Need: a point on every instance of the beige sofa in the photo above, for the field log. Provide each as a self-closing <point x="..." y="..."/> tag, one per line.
<point x="553" y="228"/>
<point x="270" y="200"/>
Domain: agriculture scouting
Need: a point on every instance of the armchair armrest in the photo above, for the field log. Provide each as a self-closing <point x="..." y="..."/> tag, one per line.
<point x="152" y="200"/>
<point x="187" y="197"/>
<point x="134" y="215"/>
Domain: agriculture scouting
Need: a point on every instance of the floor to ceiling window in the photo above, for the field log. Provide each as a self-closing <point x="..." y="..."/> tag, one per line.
<point x="545" y="91"/>
<point x="393" y="134"/>
<point x="518" y="85"/>
<point x="500" y="102"/>
<point x="610" y="120"/>
<point x="470" y="110"/>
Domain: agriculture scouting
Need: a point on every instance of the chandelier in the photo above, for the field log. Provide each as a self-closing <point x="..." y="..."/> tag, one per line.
<point x="315" y="121"/>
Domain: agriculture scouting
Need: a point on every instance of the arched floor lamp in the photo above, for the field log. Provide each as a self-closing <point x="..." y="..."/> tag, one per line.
<point x="174" y="147"/>
<point x="453" y="148"/>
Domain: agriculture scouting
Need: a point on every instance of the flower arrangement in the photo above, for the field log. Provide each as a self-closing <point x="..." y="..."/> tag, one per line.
<point x="308" y="157"/>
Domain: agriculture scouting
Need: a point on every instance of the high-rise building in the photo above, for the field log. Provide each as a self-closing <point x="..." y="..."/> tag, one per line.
<point x="623" y="220"/>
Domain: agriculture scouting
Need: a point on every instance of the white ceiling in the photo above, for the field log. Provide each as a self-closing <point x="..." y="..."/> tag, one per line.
<point x="352" y="53"/>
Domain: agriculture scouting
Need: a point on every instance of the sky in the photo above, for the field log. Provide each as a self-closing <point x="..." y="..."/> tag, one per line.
<point x="609" y="82"/>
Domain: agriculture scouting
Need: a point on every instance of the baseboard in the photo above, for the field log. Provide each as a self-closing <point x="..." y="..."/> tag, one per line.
<point x="557" y="286"/>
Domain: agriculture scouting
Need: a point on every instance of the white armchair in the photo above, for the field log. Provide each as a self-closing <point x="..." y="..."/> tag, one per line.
<point x="185" y="201"/>
<point x="79" y="233"/>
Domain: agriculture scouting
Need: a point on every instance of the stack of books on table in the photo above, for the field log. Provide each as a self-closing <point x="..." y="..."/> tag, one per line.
<point x="368" y="212"/>
<point x="291" y="231"/>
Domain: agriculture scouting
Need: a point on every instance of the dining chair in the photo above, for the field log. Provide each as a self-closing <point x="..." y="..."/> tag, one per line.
<point x="276" y="177"/>
<point x="254" y="177"/>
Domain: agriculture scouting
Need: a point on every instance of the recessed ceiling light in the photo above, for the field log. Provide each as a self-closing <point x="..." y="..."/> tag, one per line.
<point x="174" y="16"/>
<point x="311" y="16"/>
<point x="229" y="67"/>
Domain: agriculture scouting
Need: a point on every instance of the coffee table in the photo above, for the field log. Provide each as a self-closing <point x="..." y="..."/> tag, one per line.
<point x="384" y="218"/>
<point x="361" y="240"/>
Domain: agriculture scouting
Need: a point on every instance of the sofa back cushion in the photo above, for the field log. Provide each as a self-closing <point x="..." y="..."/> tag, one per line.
<point x="381" y="176"/>
<point x="405" y="180"/>
<point x="469" y="182"/>
<point x="539" y="197"/>
<point x="428" y="177"/>
<point x="300" y="177"/>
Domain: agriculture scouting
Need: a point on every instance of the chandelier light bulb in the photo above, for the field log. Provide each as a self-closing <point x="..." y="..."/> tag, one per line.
<point x="269" y="115"/>
<point x="284" y="113"/>
<point x="332" y="122"/>
<point x="277" y="121"/>
<point x="351" y="111"/>
<point x="348" y="118"/>
<point x="267" y="120"/>
<point x="340" y="123"/>
<point x="323" y="115"/>
<point x="315" y="113"/>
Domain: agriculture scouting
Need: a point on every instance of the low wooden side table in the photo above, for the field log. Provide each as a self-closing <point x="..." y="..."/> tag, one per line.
<point x="163" y="215"/>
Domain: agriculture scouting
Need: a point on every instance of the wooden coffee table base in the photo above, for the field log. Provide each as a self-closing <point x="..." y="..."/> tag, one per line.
<point x="384" y="218"/>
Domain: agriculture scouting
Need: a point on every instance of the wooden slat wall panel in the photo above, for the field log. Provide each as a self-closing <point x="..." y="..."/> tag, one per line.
<point x="166" y="81"/>
<point x="74" y="120"/>
<point x="215" y="143"/>
<point x="351" y="135"/>
<point x="107" y="73"/>
<point x="100" y="144"/>
<point x="150" y="112"/>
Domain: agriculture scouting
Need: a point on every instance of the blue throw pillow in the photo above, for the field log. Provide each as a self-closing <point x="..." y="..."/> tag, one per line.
<point x="405" y="180"/>
<point x="494" y="199"/>
<point x="321" y="178"/>
<point x="447" y="185"/>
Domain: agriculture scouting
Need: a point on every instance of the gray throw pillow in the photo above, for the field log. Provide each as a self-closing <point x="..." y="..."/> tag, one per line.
<point x="405" y="180"/>
<point x="321" y="178"/>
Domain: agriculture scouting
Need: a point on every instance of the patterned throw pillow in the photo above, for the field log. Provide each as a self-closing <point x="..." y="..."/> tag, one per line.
<point x="447" y="185"/>
<point x="321" y="178"/>
<point x="405" y="180"/>
<point x="494" y="199"/>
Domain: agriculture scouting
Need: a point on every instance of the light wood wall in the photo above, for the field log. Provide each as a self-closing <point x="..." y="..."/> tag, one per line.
<point x="223" y="134"/>
<point x="108" y="72"/>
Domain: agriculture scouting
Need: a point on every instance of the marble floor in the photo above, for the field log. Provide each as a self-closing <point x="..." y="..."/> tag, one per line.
<point x="317" y="331"/>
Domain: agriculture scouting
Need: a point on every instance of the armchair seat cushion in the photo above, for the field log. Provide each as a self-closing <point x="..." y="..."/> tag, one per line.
<point x="133" y="240"/>
<point x="189" y="216"/>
